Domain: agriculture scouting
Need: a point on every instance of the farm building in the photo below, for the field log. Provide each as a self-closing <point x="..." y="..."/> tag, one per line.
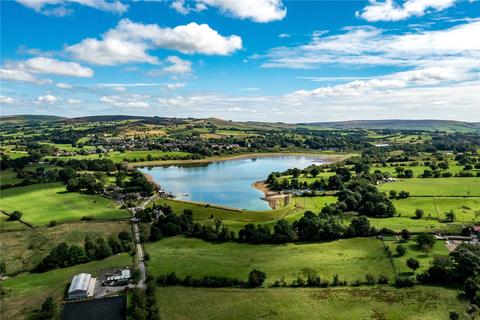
<point x="82" y="286"/>
<point x="119" y="279"/>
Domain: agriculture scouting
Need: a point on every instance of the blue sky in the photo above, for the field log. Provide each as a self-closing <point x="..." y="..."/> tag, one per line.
<point x="267" y="60"/>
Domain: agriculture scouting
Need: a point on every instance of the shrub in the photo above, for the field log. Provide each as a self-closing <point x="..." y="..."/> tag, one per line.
<point x="404" y="282"/>
<point x="401" y="250"/>
<point x="256" y="278"/>
<point x="15" y="216"/>
<point x="382" y="279"/>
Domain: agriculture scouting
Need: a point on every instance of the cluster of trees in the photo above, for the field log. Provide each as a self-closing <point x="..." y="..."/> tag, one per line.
<point x="361" y="196"/>
<point x="327" y="225"/>
<point x="461" y="266"/>
<point x="85" y="183"/>
<point x="65" y="255"/>
<point x="143" y="304"/>
<point x="256" y="278"/>
<point x="169" y="224"/>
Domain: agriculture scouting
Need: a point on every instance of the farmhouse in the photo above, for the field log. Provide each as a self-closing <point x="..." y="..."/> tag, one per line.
<point x="82" y="286"/>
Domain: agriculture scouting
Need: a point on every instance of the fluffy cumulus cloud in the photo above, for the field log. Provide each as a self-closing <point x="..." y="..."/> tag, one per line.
<point x="130" y="41"/>
<point x="47" y="99"/>
<point x="389" y="10"/>
<point x="126" y="101"/>
<point x="6" y="100"/>
<point x="255" y="10"/>
<point x="25" y="70"/>
<point x="17" y="75"/>
<point x="61" y="7"/>
<point x="52" y="66"/>
<point x="64" y="85"/>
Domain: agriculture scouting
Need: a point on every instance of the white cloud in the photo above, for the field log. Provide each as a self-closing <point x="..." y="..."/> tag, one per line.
<point x="74" y="101"/>
<point x="181" y="7"/>
<point x="178" y="66"/>
<point x="126" y="101"/>
<point x="120" y="89"/>
<point x="64" y="85"/>
<point x="389" y="10"/>
<point x="284" y="35"/>
<point x="130" y="41"/>
<point x="419" y="77"/>
<point x="17" y="75"/>
<point x="60" y="7"/>
<point x="373" y="46"/>
<point x="6" y="100"/>
<point x="47" y="99"/>
<point x="175" y="86"/>
<point x="52" y="66"/>
<point x="255" y="10"/>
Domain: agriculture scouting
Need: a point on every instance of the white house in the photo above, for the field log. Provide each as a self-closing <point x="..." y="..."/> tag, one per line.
<point x="82" y="286"/>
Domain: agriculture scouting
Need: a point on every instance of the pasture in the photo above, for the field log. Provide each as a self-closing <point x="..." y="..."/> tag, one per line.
<point x="117" y="156"/>
<point x="447" y="187"/>
<point x="23" y="250"/>
<point x="351" y="259"/>
<point x="42" y="203"/>
<point x="426" y="303"/>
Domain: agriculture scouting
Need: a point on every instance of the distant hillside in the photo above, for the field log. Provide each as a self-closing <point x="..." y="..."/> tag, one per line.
<point x="27" y="118"/>
<point x="427" y="125"/>
<point x="104" y="118"/>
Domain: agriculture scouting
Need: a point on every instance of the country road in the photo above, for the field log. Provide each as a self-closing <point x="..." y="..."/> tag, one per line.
<point x="140" y="253"/>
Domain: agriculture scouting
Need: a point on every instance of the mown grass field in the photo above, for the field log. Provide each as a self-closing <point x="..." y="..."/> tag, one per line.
<point x="426" y="303"/>
<point x="27" y="292"/>
<point x="23" y="250"/>
<point x="459" y="187"/>
<point x="351" y="259"/>
<point x="42" y="203"/>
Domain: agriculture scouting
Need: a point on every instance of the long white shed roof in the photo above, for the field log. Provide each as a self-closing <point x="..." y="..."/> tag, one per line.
<point x="80" y="282"/>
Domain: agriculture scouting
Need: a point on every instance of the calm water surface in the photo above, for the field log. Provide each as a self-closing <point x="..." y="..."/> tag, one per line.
<point x="227" y="183"/>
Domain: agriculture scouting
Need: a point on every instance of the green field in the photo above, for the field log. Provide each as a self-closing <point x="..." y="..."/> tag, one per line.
<point x="426" y="303"/>
<point x="27" y="292"/>
<point x="414" y="252"/>
<point x="42" y="203"/>
<point x="23" y="250"/>
<point x="458" y="187"/>
<point x="351" y="259"/>
<point x="466" y="209"/>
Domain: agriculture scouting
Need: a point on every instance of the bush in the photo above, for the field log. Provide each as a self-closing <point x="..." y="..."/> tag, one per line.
<point x="382" y="279"/>
<point x="15" y="216"/>
<point x="401" y="250"/>
<point x="52" y="223"/>
<point x="404" y="282"/>
<point x="256" y="278"/>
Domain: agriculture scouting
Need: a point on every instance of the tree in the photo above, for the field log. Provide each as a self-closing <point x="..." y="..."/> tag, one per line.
<point x="401" y="250"/>
<point x="256" y="278"/>
<point x="136" y="275"/>
<point x="425" y="241"/>
<point x="450" y="216"/>
<point x="413" y="264"/>
<point x="283" y="231"/>
<point x="393" y="194"/>
<point x="419" y="213"/>
<point x="405" y="235"/>
<point x="314" y="172"/>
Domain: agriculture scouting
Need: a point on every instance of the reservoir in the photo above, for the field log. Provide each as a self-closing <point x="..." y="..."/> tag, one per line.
<point x="227" y="183"/>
